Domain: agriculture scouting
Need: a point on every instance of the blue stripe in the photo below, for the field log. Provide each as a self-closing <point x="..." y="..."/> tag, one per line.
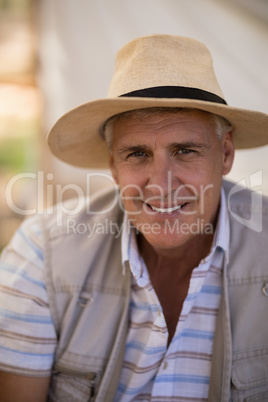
<point x="172" y="378"/>
<point x="38" y="319"/>
<point x="129" y="391"/>
<point x="144" y="306"/>
<point x="191" y="296"/>
<point x="208" y="289"/>
<point x="30" y="243"/>
<point x="27" y="353"/>
<point x="20" y="272"/>
<point x="211" y="289"/>
<point x="147" y="351"/>
<point x="192" y="379"/>
<point x="192" y="333"/>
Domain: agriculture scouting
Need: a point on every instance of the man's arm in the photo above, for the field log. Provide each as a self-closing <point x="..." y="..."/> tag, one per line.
<point x="23" y="389"/>
<point x="27" y="335"/>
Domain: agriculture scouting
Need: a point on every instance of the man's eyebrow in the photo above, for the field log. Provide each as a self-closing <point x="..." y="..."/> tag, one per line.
<point x="188" y="144"/>
<point x="175" y="145"/>
<point x="133" y="148"/>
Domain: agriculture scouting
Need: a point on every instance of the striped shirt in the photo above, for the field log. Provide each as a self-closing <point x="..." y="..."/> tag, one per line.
<point x="150" y="372"/>
<point x="27" y="335"/>
<point x="181" y="372"/>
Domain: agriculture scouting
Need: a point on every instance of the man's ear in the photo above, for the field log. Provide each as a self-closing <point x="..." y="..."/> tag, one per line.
<point x="112" y="167"/>
<point x="227" y="152"/>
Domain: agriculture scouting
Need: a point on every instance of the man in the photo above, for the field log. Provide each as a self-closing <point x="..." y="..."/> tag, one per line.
<point x="168" y="302"/>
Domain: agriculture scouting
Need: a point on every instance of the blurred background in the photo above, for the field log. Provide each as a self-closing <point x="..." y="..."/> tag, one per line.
<point x="57" y="54"/>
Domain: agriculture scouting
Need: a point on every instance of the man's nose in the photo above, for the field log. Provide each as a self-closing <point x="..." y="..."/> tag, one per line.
<point x="162" y="179"/>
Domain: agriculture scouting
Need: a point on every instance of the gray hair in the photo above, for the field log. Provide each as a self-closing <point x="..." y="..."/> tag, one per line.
<point x="220" y="123"/>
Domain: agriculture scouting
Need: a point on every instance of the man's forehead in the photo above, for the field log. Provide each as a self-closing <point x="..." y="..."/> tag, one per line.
<point x="146" y="113"/>
<point x="170" y="133"/>
<point x="163" y="119"/>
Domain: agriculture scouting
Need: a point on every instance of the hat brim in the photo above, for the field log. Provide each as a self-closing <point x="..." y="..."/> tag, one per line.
<point x="76" y="137"/>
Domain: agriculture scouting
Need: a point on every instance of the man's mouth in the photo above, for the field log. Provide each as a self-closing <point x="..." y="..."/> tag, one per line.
<point x="166" y="210"/>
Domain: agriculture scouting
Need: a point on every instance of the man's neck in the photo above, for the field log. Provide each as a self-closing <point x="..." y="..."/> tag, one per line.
<point x="179" y="261"/>
<point x="170" y="275"/>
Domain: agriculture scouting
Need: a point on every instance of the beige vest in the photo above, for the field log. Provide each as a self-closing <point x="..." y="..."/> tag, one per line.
<point x="89" y="293"/>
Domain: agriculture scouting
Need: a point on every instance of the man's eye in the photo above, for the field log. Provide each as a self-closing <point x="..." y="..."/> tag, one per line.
<point x="185" y="151"/>
<point x="136" y="154"/>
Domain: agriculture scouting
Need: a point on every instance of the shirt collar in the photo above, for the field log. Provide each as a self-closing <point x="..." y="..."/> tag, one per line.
<point x="222" y="232"/>
<point x="131" y="255"/>
<point x="129" y="247"/>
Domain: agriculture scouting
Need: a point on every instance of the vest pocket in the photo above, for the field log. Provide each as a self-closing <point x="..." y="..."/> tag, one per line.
<point x="71" y="386"/>
<point x="250" y="377"/>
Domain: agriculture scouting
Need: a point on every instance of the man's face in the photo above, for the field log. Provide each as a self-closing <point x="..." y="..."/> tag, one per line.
<point x="169" y="169"/>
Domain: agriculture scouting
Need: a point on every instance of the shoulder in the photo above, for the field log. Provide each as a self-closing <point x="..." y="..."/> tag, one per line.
<point x="77" y="230"/>
<point x="248" y="216"/>
<point x="243" y="198"/>
<point x="81" y="215"/>
<point x="248" y="207"/>
<point x="82" y="237"/>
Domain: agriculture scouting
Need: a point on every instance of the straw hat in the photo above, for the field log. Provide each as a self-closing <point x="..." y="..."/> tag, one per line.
<point x="152" y="71"/>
